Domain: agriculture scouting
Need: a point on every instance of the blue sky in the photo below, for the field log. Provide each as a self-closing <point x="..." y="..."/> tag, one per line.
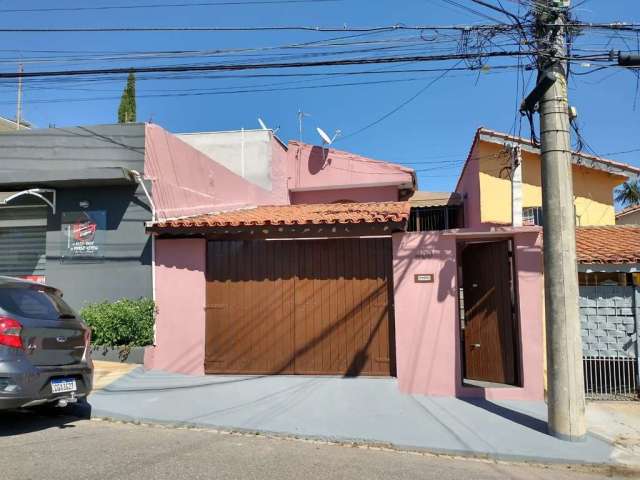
<point x="432" y="133"/>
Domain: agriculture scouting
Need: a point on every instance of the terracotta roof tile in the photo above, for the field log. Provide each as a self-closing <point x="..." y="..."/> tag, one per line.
<point x="379" y="212"/>
<point x="628" y="210"/>
<point x="608" y="244"/>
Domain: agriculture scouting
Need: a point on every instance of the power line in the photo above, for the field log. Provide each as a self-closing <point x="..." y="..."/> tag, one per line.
<point x="402" y="105"/>
<point x="162" y="5"/>
<point x="256" y="66"/>
<point x="285" y="28"/>
<point x="223" y="91"/>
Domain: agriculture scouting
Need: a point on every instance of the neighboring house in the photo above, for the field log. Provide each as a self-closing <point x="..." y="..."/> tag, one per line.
<point x="7" y="125"/>
<point x="629" y="216"/>
<point x="330" y="282"/>
<point x="486" y="183"/>
<point x="72" y="209"/>
<point x="606" y="253"/>
<point x="264" y="160"/>
<point x="609" y="277"/>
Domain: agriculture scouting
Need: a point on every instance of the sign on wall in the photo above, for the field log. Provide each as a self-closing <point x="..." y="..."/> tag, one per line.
<point x="423" y="278"/>
<point x="83" y="235"/>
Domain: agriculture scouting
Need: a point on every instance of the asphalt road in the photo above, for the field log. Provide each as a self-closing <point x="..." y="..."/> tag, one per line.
<point x="59" y="446"/>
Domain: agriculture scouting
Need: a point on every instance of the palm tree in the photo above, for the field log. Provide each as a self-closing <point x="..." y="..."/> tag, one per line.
<point x="628" y="194"/>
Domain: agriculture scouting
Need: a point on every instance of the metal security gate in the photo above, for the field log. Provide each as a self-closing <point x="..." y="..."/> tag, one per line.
<point x="23" y="234"/>
<point x="309" y="307"/>
<point x="610" y="378"/>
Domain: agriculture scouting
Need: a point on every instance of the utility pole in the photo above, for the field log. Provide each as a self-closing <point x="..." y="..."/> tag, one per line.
<point x="516" y="186"/>
<point x="566" y="405"/>
<point x="19" y="106"/>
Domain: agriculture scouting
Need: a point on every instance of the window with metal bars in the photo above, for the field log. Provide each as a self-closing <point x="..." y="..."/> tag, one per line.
<point x="424" y="219"/>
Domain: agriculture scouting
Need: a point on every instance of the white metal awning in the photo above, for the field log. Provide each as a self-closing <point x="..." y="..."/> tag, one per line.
<point x="6" y="197"/>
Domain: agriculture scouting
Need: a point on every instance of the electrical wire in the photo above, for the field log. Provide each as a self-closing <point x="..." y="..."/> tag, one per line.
<point x="400" y="106"/>
<point x="162" y="5"/>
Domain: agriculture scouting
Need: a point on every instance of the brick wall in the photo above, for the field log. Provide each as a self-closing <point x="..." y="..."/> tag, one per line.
<point x="608" y="317"/>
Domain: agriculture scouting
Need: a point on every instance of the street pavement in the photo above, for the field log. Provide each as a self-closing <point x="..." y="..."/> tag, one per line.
<point x="59" y="446"/>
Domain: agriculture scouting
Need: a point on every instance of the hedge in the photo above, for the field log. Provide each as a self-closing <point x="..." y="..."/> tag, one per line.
<point x="123" y="322"/>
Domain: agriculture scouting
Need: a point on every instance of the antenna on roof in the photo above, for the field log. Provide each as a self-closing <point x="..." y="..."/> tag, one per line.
<point x="301" y="116"/>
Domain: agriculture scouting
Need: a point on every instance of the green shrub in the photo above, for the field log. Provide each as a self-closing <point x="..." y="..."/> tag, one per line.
<point x="123" y="322"/>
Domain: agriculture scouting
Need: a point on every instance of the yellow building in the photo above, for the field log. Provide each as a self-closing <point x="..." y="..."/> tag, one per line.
<point x="487" y="186"/>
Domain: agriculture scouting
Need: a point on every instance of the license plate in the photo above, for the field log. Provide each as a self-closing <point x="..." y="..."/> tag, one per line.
<point x="62" y="385"/>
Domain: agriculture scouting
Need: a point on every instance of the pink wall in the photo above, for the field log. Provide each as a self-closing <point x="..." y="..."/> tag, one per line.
<point x="180" y="298"/>
<point x="365" y="194"/>
<point x="311" y="167"/>
<point x="187" y="182"/>
<point x="427" y="319"/>
<point x="469" y="187"/>
<point x="279" y="180"/>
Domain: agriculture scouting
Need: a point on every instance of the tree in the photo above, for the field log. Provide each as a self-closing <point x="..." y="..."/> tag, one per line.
<point x="629" y="193"/>
<point x="127" y="108"/>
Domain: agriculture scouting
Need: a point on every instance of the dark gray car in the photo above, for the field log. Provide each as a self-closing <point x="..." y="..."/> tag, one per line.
<point x="44" y="347"/>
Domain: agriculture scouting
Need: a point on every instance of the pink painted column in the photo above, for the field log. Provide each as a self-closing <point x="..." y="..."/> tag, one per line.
<point x="181" y="297"/>
<point x="425" y="313"/>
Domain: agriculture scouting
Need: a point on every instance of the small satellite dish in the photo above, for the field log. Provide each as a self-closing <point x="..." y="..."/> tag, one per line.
<point x="263" y="125"/>
<point x="325" y="138"/>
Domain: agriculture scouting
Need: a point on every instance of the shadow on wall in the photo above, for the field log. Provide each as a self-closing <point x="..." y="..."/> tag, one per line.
<point x="171" y="253"/>
<point x="318" y="160"/>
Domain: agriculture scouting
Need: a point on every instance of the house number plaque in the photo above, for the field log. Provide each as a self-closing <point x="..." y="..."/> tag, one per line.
<point x="423" y="278"/>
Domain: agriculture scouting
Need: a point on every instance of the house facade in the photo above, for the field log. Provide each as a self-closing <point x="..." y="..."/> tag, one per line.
<point x="496" y="177"/>
<point x="486" y="182"/>
<point x="321" y="277"/>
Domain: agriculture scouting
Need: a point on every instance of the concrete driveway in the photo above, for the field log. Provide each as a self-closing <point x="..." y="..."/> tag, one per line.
<point x="365" y="410"/>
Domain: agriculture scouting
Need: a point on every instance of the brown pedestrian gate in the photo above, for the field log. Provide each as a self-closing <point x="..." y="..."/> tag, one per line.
<point x="489" y="314"/>
<point x="299" y="307"/>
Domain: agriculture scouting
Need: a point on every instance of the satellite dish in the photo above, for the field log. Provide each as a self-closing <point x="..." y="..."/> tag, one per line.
<point x="325" y="138"/>
<point x="263" y="126"/>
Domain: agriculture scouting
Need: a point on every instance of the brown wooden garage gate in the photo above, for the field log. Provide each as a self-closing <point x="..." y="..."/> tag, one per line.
<point x="299" y="307"/>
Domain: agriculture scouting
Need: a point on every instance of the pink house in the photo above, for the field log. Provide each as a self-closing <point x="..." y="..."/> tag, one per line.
<point x="297" y="259"/>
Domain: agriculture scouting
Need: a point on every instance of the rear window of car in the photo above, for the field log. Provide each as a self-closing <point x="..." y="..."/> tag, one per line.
<point x="34" y="302"/>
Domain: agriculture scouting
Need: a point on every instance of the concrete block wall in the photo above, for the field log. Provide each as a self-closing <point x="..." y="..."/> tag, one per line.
<point x="609" y="318"/>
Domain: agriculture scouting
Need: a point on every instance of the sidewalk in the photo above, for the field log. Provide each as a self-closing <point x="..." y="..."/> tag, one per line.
<point x="346" y="409"/>
<point x="105" y="373"/>
<point x="619" y="423"/>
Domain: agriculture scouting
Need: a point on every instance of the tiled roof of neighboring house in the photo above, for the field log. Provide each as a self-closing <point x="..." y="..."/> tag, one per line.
<point x="434" y="199"/>
<point x="608" y="244"/>
<point x="627" y="211"/>
<point x="525" y="141"/>
<point x="314" y="214"/>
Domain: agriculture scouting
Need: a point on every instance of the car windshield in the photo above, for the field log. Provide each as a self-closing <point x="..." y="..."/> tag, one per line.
<point x="33" y="301"/>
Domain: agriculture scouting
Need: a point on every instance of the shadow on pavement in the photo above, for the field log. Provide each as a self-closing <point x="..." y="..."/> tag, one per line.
<point x="513" y="415"/>
<point x="19" y="422"/>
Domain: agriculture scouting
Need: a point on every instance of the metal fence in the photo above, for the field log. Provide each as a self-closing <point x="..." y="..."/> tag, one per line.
<point x="611" y="378"/>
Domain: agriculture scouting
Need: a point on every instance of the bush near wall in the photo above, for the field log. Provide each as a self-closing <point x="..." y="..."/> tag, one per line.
<point x="125" y="322"/>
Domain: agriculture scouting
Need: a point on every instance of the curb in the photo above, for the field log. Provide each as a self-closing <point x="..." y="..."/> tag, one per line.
<point x="611" y="466"/>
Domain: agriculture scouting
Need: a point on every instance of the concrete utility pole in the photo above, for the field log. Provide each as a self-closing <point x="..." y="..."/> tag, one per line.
<point x="566" y="405"/>
<point x="19" y="106"/>
<point x="516" y="186"/>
